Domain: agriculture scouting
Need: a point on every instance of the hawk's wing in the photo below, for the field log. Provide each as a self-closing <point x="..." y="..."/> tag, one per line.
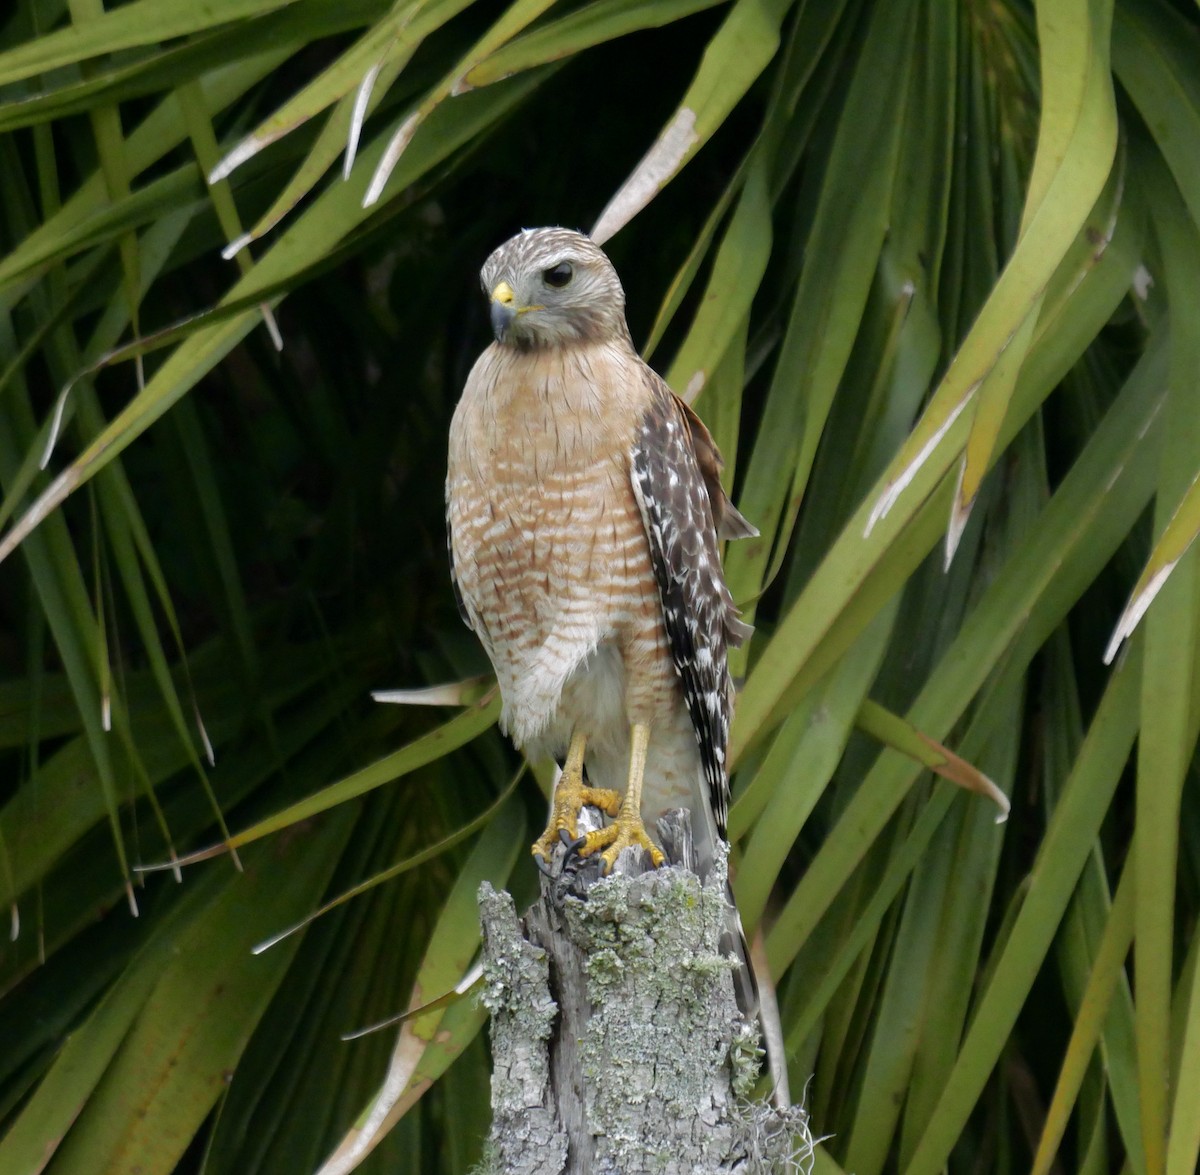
<point x="675" y="467"/>
<point x="729" y="522"/>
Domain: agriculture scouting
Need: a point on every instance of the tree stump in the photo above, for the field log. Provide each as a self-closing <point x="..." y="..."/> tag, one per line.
<point x="617" y="1041"/>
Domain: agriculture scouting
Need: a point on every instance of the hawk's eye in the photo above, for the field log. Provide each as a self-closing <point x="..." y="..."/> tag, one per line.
<point x="559" y="275"/>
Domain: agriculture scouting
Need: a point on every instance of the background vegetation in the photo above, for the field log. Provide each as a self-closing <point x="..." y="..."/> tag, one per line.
<point x="931" y="268"/>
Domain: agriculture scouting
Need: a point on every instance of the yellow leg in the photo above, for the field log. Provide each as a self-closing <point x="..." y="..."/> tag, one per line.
<point x="628" y="828"/>
<point x="569" y="796"/>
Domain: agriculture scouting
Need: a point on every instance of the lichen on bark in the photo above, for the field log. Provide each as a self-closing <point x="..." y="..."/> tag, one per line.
<point x="617" y="1042"/>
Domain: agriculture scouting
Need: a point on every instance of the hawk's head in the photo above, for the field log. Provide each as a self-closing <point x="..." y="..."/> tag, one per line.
<point x="551" y="286"/>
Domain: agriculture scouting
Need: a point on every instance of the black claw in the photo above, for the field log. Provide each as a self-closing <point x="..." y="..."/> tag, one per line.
<point x="573" y="846"/>
<point x="544" y="865"/>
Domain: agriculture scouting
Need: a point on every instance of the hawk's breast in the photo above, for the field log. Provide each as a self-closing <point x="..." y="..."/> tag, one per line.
<point x="549" y="550"/>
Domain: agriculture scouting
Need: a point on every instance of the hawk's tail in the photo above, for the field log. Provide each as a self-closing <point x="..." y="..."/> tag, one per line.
<point x="733" y="941"/>
<point x="752" y="981"/>
<point x="757" y="1001"/>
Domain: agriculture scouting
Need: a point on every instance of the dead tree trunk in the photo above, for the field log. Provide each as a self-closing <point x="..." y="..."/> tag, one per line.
<point x="617" y="1042"/>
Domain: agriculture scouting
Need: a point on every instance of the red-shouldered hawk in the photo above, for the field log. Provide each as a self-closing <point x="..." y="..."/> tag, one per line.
<point x="584" y="507"/>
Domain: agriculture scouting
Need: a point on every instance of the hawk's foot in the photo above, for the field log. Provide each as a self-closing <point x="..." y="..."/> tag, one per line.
<point x="569" y="796"/>
<point x="625" y="831"/>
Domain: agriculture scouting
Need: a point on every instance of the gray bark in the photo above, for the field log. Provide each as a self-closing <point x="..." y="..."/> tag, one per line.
<point x="617" y="1041"/>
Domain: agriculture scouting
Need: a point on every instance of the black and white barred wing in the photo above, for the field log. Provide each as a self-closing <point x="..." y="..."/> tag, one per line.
<point x="701" y="621"/>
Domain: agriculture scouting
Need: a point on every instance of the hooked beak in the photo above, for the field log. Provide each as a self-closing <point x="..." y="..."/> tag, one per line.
<point x="503" y="310"/>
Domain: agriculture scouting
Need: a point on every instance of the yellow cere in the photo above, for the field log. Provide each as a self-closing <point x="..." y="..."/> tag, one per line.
<point x="503" y="293"/>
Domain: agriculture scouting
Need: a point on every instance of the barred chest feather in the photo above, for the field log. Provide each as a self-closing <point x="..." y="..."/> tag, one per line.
<point x="549" y="548"/>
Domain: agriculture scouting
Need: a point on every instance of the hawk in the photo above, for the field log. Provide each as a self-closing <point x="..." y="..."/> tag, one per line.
<point x="584" y="507"/>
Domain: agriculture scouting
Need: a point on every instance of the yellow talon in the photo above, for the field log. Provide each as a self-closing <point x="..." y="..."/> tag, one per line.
<point x="628" y="828"/>
<point x="569" y="796"/>
<point x="617" y="837"/>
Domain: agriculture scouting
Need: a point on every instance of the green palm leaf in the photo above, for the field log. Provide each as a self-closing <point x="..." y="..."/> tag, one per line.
<point x="928" y="270"/>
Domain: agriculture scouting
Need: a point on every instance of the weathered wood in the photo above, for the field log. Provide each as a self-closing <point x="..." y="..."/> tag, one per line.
<point x="617" y="1042"/>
